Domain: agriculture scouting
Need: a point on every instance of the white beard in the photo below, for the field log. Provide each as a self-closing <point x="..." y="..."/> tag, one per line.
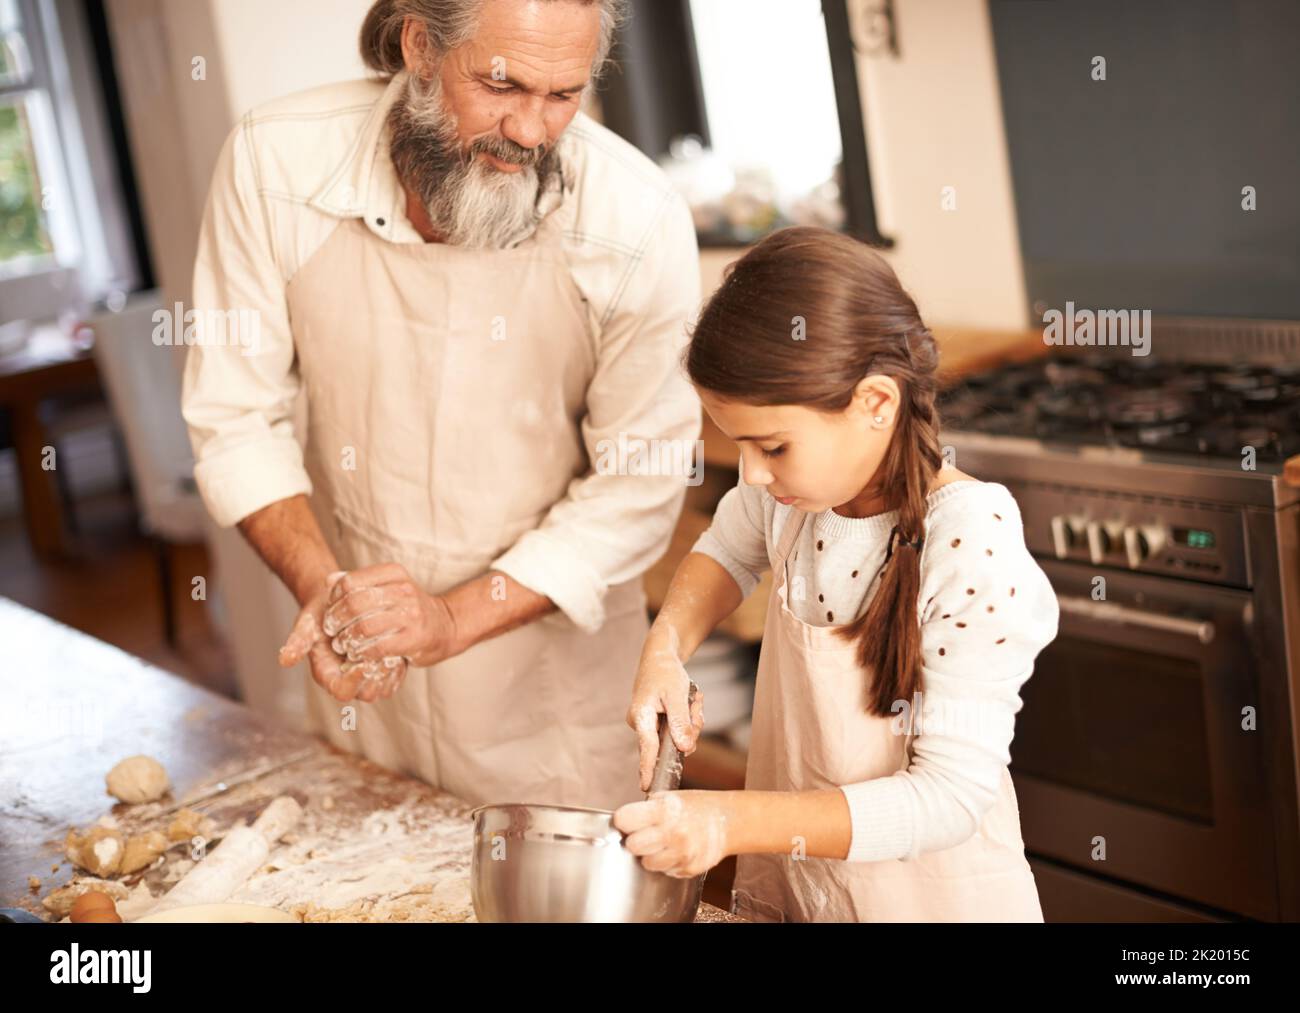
<point x="468" y="201"/>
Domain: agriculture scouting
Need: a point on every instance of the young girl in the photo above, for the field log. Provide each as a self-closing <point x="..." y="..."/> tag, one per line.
<point x="906" y="616"/>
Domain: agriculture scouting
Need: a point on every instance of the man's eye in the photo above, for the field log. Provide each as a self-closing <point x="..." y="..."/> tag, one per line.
<point x="501" y="91"/>
<point x="774" y="452"/>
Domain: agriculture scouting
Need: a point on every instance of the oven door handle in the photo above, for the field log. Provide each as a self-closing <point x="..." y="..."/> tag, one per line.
<point x="1110" y="612"/>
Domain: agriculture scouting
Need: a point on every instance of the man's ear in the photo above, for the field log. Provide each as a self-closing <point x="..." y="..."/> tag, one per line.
<point x="417" y="49"/>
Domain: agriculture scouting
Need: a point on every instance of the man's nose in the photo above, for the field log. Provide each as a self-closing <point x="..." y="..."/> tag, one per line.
<point x="526" y="125"/>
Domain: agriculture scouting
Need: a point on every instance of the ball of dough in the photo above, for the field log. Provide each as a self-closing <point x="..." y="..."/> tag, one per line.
<point x="141" y="851"/>
<point x="98" y="851"/>
<point x="138" y="779"/>
<point x="188" y="825"/>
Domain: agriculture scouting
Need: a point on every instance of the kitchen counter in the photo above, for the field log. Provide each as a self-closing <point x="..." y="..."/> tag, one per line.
<point x="373" y="845"/>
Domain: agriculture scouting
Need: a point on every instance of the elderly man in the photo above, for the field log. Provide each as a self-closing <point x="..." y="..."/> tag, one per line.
<point x="480" y="291"/>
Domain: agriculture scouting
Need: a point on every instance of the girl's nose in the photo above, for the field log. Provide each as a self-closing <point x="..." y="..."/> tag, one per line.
<point x="756" y="473"/>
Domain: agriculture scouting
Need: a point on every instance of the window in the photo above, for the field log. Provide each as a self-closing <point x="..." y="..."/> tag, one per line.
<point x="753" y="109"/>
<point x="25" y="242"/>
<point x="765" y="62"/>
<point x="61" y="244"/>
<point x="25" y="237"/>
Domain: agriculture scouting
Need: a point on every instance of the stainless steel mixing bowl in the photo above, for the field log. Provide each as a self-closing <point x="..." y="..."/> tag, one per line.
<point x="541" y="863"/>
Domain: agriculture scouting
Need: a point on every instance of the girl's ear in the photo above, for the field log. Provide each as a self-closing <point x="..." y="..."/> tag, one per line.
<point x="876" y="400"/>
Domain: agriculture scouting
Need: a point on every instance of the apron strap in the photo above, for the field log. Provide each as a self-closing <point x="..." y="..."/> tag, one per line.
<point x="907" y="753"/>
<point x="789" y="534"/>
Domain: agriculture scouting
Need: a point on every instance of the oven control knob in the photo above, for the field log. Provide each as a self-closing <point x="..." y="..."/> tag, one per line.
<point x="1103" y="538"/>
<point x="1066" y="533"/>
<point x="1141" y="542"/>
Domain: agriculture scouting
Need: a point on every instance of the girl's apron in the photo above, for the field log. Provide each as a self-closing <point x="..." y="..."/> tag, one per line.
<point x="811" y="731"/>
<point x="447" y="389"/>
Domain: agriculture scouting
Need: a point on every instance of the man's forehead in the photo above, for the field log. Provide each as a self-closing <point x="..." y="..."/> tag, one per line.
<point x="548" y="43"/>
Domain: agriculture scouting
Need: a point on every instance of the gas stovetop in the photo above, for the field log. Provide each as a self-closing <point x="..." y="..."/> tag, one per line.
<point x="1209" y="412"/>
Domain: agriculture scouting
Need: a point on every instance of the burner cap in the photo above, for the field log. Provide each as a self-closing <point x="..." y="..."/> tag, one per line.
<point x="1070" y="374"/>
<point x="1240" y="378"/>
<point x="1149" y="408"/>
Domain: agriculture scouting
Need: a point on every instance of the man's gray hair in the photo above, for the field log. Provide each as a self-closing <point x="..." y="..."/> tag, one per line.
<point x="452" y="23"/>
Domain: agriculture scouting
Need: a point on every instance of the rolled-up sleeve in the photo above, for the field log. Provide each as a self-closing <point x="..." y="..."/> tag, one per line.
<point x="616" y="521"/>
<point x="240" y="384"/>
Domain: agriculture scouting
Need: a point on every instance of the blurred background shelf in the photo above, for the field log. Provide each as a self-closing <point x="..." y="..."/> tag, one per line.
<point x="716" y="764"/>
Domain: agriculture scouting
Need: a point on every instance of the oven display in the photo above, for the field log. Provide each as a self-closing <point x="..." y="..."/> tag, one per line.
<point x="1194" y="538"/>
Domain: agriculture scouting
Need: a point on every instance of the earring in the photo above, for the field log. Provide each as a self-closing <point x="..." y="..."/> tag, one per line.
<point x="880" y="420"/>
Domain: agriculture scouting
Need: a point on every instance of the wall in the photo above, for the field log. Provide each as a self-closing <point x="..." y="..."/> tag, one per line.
<point x="275" y="47"/>
<point x="934" y="119"/>
<point x="253" y="51"/>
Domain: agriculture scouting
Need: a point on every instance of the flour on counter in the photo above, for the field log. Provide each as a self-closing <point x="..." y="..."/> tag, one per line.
<point x="397" y="866"/>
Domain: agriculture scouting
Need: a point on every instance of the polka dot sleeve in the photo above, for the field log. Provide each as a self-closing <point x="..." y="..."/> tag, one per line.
<point x="986" y="611"/>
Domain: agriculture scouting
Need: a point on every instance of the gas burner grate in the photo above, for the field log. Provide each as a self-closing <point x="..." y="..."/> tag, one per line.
<point x="1207" y="409"/>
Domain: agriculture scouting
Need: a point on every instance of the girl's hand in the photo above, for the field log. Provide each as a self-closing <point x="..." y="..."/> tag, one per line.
<point x="663" y="687"/>
<point x="681" y="833"/>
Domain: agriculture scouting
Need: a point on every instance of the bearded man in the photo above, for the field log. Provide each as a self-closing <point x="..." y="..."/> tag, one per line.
<point x="479" y="290"/>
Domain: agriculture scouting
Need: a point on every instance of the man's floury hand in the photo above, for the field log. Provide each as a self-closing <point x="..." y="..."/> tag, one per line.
<point x="341" y="677"/>
<point x="380" y="612"/>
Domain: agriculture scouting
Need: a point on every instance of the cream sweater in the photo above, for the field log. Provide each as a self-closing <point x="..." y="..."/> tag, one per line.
<point x="976" y="648"/>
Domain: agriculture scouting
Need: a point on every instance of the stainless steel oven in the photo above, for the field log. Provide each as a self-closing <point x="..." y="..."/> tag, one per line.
<point x="1132" y="755"/>
<point x="1154" y="758"/>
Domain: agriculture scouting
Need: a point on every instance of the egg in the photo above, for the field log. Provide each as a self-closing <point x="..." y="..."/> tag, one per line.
<point x="91" y="902"/>
<point x="101" y="916"/>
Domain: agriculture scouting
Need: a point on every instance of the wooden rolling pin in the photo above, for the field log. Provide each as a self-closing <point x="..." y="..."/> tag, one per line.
<point x="240" y="854"/>
<point x="668" y="768"/>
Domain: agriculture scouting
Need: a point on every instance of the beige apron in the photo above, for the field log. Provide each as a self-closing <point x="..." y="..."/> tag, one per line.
<point x="811" y="731"/>
<point x="446" y="389"/>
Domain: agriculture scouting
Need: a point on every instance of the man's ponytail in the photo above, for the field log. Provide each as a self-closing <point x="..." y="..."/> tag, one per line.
<point x="381" y="38"/>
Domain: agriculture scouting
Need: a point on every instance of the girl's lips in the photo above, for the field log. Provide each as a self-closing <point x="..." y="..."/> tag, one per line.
<point x="785" y="500"/>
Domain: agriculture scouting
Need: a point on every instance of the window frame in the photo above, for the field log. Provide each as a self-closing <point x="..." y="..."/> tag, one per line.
<point x="20" y="289"/>
<point x="91" y="257"/>
<point x="655" y="92"/>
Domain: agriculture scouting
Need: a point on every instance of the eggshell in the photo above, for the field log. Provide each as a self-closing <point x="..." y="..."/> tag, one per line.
<point x="90" y="902"/>
<point x="101" y="917"/>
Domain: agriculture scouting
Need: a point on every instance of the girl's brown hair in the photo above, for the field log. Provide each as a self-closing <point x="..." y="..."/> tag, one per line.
<point x="801" y="319"/>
